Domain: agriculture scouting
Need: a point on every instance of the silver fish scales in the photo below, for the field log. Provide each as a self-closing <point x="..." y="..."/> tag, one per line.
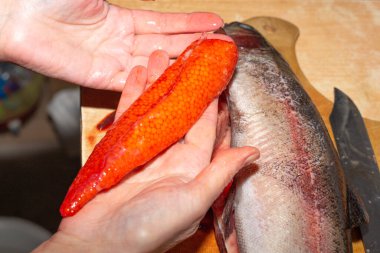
<point x="293" y="199"/>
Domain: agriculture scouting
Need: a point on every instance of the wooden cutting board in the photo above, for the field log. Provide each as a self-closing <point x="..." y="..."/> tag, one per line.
<point x="283" y="35"/>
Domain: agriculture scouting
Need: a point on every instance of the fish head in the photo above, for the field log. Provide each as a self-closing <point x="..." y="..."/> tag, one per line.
<point x="245" y="35"/>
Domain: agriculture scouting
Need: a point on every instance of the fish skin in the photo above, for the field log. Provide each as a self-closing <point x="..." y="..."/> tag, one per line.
<point x="293" y="199"/>
<point x="158" y="118"/>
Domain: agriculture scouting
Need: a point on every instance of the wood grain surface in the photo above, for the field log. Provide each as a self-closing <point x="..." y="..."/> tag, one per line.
<point x="337" y="47"/>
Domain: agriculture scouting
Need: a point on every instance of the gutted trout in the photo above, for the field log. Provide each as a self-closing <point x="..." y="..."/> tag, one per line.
<point x="293" y="199"/>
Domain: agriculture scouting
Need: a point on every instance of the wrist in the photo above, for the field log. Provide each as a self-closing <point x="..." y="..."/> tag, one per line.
<point x="5" y="16"/>
<point x="62" y="243"/>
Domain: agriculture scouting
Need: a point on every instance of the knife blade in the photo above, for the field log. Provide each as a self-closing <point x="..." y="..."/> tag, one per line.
<point x="359" y="164"/>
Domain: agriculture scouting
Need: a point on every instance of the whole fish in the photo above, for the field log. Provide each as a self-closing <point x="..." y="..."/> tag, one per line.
<point x="293" y="199"/>
<point x="157" y="119"/>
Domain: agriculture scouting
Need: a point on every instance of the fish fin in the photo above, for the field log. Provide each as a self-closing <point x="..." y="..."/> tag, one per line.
<point x="219" y="238"/>
<point x="357" y="213"/>
<point x="224" y="220"/>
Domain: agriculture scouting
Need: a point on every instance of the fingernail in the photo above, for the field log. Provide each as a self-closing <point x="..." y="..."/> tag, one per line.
<point x="214" y="21"/>
<point x="218" y="22"/>
<point x="252" y="158"/>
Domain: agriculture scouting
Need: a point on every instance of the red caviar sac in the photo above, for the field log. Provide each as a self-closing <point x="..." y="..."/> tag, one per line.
<point x="159" y="117"/>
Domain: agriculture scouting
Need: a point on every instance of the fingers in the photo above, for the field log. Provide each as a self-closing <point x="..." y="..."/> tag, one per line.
<point x="202" y="133"/>
<point x="211" y="181"/>
<point x="139" y="60"/>
<point x="133" y="88"/>
<point x="158" y="62"/>
<point x="140" y="78"/>
<point x="170" y="23"/>
<point x="173" y="44"/>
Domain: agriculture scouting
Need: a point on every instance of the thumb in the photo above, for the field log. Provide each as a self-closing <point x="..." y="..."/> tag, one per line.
<point x="210" y="183"/>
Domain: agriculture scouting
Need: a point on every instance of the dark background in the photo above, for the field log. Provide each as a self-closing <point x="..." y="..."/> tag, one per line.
<point x="35" y="169"/>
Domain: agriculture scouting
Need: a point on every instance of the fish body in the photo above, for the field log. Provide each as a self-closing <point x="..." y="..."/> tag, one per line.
<point x="159" y="117"/>
<point x="293" y="199"/>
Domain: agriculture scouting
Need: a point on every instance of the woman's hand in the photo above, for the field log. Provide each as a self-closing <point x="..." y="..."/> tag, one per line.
<point x="91" y="42"/>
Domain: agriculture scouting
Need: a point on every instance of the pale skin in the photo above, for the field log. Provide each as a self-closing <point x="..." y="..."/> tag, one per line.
<point x="104" y="42"/>
<point x="94" y="44"/>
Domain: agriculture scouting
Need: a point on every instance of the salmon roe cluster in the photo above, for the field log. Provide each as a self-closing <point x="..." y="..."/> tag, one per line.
<point x="160" y="117"/>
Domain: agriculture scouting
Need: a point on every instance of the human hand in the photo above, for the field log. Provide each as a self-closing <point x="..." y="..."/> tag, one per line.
<point x="91" y="42"/>
<point x="162" y="204"/>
